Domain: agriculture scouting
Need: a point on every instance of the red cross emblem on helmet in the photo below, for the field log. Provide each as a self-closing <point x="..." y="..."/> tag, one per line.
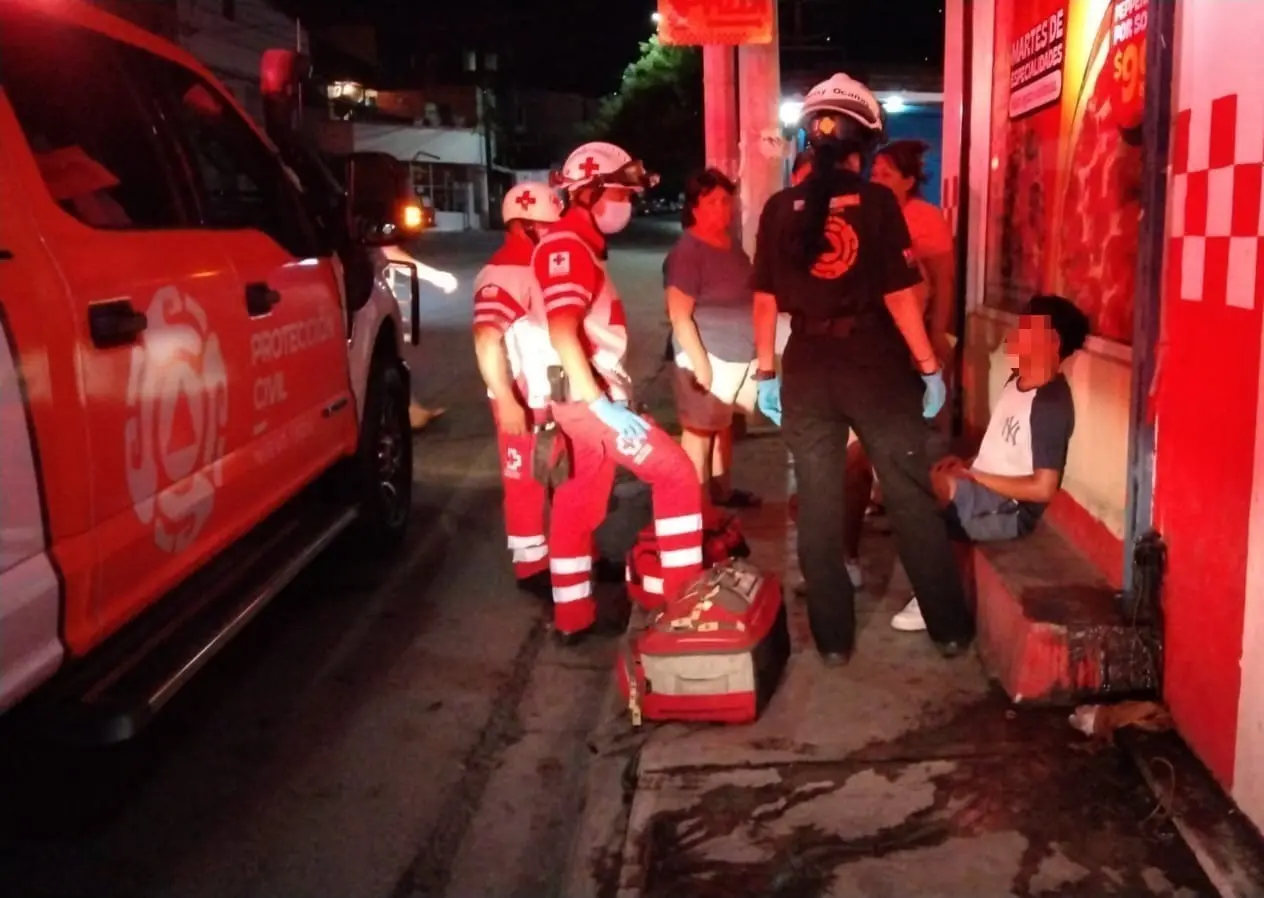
<point x="590" y="167"/>
<point x="531" y="201"/>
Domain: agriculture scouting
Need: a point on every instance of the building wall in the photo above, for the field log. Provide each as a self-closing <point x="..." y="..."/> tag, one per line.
<point x="1210" y="455"/>
<point x="923" y="123"/>
<point x="458" y="104"/>
<point x="1095" y="480"/>
<point x="1208" y="397"/>
<point x="232" y="47"/>
<point x="541" y="127"/>
<point x="158" y="16"/>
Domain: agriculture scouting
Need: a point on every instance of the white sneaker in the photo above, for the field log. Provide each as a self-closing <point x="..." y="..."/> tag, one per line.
<point x="855" y="574"/>
<point x="909" y="620"/>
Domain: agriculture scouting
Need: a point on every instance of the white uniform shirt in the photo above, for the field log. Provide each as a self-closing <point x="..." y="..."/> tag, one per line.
<point x="507" y="296"/>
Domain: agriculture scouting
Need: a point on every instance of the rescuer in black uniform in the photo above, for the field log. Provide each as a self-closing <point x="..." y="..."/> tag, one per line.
<point x="834" y="252"/>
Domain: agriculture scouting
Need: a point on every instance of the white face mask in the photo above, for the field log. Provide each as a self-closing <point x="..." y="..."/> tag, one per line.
<point x="612" y="216"/>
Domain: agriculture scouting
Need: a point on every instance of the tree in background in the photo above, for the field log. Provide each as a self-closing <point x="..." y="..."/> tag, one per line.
<point x="657" y="113"/>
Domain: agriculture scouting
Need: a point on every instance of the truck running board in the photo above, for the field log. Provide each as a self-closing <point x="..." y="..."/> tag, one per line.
<point x="115" y="691"/>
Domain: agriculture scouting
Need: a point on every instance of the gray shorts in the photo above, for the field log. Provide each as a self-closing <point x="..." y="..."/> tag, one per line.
<point x="983" y="516"/>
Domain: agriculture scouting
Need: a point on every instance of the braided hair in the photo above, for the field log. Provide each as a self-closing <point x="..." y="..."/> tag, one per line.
<point x="823" y="183"/>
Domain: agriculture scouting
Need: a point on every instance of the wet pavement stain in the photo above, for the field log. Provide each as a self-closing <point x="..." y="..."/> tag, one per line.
<point x="1073" y="820"/>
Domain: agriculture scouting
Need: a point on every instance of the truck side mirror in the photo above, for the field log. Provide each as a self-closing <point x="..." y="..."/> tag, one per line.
<point x="381" y="204"/>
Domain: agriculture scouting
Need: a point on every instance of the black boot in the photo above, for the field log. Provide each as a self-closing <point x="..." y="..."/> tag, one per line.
<point x="538" y="585"/>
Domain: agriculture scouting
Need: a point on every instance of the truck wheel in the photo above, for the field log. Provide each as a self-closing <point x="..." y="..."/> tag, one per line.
<point x="385" y="457"/>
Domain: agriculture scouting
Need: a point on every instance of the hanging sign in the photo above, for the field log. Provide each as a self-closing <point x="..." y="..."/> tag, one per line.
<point x="1067" y="162"/>
<point x="1127" y="61"/>
<point x="728" y="22"/>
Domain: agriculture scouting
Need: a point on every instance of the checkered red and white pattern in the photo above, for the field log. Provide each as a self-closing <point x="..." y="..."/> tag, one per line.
<point x="1209" y="455"/>
<point x="949" y="201"/>
<point x="1216" y="225"/>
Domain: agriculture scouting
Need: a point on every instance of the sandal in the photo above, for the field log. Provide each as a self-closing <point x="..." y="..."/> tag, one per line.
<point x="740" y="499"/>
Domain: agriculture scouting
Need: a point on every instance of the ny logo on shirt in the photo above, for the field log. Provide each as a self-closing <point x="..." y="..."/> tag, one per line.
<point x="1010" y="430"/>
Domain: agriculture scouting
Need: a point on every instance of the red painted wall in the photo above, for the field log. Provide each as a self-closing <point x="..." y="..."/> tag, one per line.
<point x="1210" y="364"/>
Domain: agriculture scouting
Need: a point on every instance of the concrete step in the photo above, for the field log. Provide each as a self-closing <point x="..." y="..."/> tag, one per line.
<point x="1051" y="629"/>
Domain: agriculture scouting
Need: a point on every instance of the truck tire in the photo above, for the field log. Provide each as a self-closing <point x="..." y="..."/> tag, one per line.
<point x="383" y="478"/>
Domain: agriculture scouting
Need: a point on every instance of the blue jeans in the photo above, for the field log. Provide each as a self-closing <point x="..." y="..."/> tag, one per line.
<point x="984" y="516"/>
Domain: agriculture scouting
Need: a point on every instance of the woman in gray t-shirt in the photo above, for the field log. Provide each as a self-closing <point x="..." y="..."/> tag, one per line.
<point x="709" y="299"/>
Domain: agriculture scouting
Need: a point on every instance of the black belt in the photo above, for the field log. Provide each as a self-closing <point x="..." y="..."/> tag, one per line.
<point x="839" y="328"/>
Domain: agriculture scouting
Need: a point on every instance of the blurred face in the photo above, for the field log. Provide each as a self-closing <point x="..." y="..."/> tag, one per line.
<point x="714" y="211"/>
<point x="1032" y="347"/>
<point x="889" y="176"/>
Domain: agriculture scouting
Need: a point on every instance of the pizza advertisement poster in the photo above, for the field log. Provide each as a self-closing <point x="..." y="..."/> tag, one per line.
<point x="1064" y="193"/>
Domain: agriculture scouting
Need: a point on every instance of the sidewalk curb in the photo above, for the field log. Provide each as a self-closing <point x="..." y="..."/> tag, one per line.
<point x="595" y="862"/>
<point x="1225" y="844"/>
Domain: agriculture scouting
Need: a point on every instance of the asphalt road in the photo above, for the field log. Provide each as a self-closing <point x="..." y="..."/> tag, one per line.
<point x="383" y="730"/>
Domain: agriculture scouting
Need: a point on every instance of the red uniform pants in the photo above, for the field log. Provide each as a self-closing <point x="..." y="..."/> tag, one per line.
<point x="580" y="504"/>
<point x="525" y="498"/>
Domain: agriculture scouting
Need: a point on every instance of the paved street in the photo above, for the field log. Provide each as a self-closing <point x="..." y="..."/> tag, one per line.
<point x="407" y="730"/>
<point x="383" y="731"/>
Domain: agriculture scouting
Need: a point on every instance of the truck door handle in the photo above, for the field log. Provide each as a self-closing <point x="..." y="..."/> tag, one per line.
<point x="114" y="323"/>
<point x="260" y="298"/>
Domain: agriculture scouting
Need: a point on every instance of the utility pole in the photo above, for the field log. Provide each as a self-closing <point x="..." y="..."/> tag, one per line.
<point x="719" y="91"/>
<point x="759" y="102"/>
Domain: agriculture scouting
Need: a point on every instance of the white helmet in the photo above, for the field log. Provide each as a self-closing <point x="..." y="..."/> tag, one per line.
<point x="601" y="162"/>
<point x="844" y="96"/>
<point x="531" y="201"/>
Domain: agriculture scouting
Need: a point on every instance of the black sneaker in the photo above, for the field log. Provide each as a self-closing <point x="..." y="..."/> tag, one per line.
<point x="836" y="659"/>
<point x="538" y="585"/>
<point x="953" y="648"/>
<point x="569" y="640"/>
<point x="603" y="628"/>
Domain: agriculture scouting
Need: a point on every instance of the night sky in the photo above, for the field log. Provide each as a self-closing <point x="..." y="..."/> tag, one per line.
<point x="584" y="45"/>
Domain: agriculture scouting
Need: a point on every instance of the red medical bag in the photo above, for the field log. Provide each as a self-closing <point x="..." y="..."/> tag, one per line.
<point x="721" y="539"/>
<point x="716" y="653"/>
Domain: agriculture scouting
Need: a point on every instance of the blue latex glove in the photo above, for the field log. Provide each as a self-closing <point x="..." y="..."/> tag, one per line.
<point x="619" y="418"/>
<point x="768" y="398"/>
<point x="936" y="394"/>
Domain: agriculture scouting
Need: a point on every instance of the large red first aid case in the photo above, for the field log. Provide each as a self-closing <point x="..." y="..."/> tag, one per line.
<point x="716" y="653"/>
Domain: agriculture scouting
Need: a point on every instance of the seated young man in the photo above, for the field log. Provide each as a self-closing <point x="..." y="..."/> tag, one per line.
<point x="1018" y="470"/>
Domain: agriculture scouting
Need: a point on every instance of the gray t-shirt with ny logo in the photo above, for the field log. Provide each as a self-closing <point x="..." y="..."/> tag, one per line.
<point x="1029" y="431"/>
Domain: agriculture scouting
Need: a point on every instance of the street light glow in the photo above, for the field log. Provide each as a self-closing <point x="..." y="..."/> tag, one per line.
<point x="790" y="112"/>
<point x="894" y="103"/>
<point x="655" y="17"/>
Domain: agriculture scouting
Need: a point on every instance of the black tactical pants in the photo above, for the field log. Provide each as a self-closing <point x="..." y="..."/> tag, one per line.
<point x="829" y="386"/>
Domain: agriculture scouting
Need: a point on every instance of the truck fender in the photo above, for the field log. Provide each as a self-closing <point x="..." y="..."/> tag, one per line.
<point x="380" y="315"/>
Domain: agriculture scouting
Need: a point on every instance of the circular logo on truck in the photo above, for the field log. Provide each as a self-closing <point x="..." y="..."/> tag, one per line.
<point x="177" y="413"/>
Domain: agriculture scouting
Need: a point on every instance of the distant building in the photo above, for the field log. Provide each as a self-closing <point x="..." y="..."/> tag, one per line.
<point x="230" y="37"/>
<point x="541" y="127"/>
<point x="227" y="36"/>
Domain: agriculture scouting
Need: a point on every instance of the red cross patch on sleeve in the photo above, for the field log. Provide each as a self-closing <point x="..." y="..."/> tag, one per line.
<point x="559" y="264"/>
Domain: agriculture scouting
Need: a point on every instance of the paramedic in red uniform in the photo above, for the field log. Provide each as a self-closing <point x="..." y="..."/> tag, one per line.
<point x="511" y="340"/>
<point x="588" y="330"/>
